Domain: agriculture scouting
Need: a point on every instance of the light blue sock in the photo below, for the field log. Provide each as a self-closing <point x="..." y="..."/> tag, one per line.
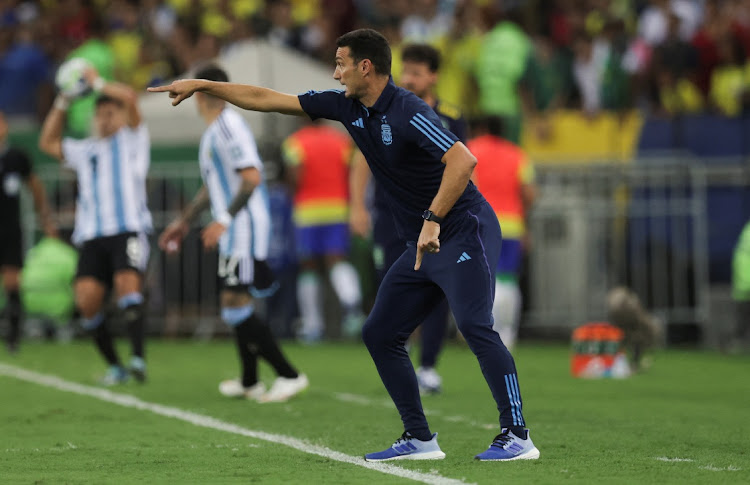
<point x="134" y="298"/>
<point x="93" y="322"/>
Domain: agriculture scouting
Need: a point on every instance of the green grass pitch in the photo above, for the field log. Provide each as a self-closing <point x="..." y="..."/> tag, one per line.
<point x="686" y="420"/>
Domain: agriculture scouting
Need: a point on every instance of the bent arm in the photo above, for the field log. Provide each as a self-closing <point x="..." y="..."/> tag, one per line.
<point x="199" y="203"/>
<point x="250" y="178"/>
<point x="50" y="138"/>
<point x="121" y="92"/>
<point x="459" y="165"/>
<point x="127" y="96"/>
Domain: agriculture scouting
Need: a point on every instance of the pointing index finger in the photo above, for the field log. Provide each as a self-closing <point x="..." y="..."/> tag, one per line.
<point x="420" y="254"/>
<point x="159" y="89"/>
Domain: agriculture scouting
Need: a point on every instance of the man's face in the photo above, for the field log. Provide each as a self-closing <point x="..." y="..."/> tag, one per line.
<point x="109" y="118"/>
<point x="417" y="78"/>
<point x="347" y="73"/>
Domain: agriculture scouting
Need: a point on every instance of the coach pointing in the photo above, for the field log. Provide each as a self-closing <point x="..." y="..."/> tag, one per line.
<point x="454" y="237"/>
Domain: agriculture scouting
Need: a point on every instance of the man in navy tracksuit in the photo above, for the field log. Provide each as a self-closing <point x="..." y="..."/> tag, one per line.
<point x="453" y="232"/>
<point x="419" y="74"/>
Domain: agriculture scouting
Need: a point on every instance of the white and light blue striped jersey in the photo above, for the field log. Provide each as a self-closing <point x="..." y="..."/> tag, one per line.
<point x="227" y="146"/>
<point x="111" y="176"/>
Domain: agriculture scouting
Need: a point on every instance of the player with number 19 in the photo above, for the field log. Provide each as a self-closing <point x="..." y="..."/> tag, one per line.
<point x="233" y="187"/>
<point x="112" y="219"/>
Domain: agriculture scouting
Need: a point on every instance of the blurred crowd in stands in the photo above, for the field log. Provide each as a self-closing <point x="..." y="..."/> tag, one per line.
<point x="512" y="58"/>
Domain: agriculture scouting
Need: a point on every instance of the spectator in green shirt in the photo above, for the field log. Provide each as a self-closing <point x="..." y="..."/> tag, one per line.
<point x="502" y="61"/>
<point x="100" y="55"/>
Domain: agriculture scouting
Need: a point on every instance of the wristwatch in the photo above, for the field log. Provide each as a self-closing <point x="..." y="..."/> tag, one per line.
<point x="428" y="215"/>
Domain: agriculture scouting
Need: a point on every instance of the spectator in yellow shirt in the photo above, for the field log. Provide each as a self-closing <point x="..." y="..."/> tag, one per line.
<point x="730" y="80"/>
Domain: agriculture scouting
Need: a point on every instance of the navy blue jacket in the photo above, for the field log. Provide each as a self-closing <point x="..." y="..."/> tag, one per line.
<point x="404" y="142"/>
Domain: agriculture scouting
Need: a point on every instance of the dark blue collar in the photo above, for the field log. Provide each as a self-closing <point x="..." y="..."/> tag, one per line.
<point x="385" y="98"/>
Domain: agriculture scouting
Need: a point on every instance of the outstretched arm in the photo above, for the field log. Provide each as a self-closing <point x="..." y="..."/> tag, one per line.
<point x="250" y="178"/>
<point x="245" y="96"/>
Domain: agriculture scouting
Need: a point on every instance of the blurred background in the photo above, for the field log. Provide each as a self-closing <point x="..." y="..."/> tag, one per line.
<point x="634" y="112"/>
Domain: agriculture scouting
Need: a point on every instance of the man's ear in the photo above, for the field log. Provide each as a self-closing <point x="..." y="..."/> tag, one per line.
<point x="365" y="66"/>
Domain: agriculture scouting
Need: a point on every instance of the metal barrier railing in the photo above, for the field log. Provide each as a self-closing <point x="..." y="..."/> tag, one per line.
<point x="594" y="227"/>
<point x="597" y="227"/>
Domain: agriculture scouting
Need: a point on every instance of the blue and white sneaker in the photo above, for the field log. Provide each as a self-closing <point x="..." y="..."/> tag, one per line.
<point x="409" y="448"/>
<point x="137" y="368"/>
<point x="114" y="376"/>
<point x="507" y="447"/>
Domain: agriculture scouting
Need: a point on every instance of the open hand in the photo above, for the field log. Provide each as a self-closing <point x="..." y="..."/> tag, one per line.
<point x="179" y="90"/>
<point x="172" y="237"/>
<point x="428" y="241"/>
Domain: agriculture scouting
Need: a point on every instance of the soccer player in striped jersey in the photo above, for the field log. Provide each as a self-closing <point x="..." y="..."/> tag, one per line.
<point x="233" y="187"/>
<point x="112" y="218"/>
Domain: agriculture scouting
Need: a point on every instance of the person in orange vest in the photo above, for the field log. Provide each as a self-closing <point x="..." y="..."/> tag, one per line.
<point x="317" y="163"/>
<point x="505" y="176"/>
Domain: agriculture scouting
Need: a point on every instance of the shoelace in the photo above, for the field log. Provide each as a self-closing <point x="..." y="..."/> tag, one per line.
<point x="501" y="440"/>
<point x="404" y="438"/>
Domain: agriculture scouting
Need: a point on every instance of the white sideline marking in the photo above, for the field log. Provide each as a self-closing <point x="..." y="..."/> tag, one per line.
<point x="670" y="460"/>
<point x="204" y="421"/>
<point x="712" y="468"/>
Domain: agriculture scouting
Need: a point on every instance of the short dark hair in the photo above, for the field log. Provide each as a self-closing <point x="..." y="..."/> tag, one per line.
<point x="368" y="44"/>
<point x="212" y="72"/>
<point x="106" y="99"/>
<point x="422" y="54"/>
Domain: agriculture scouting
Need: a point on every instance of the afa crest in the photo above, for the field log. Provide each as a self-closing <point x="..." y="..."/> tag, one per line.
<point x="385" y="132"/>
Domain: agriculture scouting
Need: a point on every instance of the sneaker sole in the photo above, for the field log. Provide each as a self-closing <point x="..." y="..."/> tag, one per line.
<point x="430" y="455"/>
<point x="529" y="455"/>
<point x="285" y="398"/>
<point x="232" y="395"/>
